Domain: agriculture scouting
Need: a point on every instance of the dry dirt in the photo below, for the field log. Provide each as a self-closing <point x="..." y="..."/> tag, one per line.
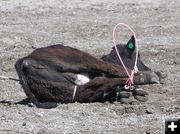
<point x="87" y="25"/>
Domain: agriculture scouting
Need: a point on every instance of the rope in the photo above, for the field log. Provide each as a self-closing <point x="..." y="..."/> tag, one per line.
<point x="129" y="82"/>
<point x="74" y="93"/>
<point x="8" y="78"/>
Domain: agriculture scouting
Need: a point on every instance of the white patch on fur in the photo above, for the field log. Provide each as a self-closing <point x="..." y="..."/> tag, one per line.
<point x="82" y="79"/>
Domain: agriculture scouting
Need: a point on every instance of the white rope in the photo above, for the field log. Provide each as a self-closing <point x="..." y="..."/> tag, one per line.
<point x="4" y="77"/>
<point x="74" y="93"/>
<point x="7" y="78"/>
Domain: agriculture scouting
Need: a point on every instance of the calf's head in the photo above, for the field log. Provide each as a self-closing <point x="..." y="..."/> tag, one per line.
<point x="128" y="54"/>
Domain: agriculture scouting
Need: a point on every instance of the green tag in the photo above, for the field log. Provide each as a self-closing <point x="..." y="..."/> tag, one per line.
<point x="130" y="46"/>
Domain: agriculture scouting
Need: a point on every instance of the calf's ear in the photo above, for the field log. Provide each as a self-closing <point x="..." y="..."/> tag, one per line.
<point x="130" y="46"/>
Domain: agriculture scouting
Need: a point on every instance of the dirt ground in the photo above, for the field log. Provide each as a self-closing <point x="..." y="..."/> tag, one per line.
<point x="87" y="25"/>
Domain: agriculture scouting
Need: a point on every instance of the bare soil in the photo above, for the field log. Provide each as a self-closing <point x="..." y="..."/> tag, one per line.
<point x="87" y="25"/>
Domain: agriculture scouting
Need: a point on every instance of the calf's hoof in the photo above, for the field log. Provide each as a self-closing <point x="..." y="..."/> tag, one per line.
<point x="131" y="96"/>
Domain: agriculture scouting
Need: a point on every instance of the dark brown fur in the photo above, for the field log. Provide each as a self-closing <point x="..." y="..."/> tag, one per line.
<point x="47" y="75"/>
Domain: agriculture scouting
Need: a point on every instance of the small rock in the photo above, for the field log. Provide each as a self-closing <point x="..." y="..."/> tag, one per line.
<point x="24" y="124"/>
<point x="39" y="114"/>
<point x="3" y="117"/>
<point x="148" y="112"/>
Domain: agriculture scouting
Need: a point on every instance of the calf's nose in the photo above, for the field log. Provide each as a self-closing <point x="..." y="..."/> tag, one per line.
<point x="153" y="78"/>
